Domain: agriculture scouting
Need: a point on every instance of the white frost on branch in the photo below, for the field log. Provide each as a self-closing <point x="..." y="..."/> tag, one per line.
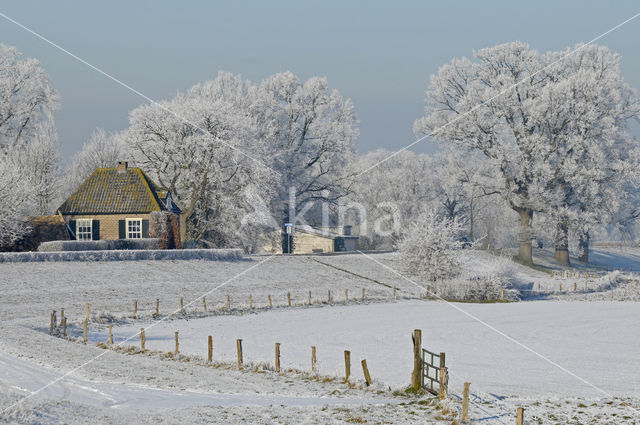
<point x="431" y="247"/>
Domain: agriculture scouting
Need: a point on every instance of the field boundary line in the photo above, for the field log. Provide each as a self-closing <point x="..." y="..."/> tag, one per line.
<point x="355" y="274"/>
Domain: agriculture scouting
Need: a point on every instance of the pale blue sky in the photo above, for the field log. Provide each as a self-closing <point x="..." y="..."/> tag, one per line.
<point x="379" y="54"/>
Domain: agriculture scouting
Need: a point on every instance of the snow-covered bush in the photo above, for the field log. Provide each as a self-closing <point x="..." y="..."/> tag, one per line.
<point x="105" y="244"/>
<point x="482" y="276"/>
<point x="431" y="247"/>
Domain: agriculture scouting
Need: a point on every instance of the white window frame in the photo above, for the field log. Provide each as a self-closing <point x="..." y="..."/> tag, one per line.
<point x="84" y="229"/>
<point x="130" y="231"/>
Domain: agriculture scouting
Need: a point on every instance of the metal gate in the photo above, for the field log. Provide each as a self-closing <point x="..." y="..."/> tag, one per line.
<point x="431" y="365"/>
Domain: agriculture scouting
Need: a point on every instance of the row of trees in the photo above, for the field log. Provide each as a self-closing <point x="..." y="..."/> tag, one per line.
<point x="528" y="141"/>
<point x="232" y="153"/>
<point x="551" y="131"/>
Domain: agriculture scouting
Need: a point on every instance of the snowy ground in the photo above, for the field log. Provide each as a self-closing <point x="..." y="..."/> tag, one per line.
<point x="597" y="341"/>
<point x="575" y="335"/>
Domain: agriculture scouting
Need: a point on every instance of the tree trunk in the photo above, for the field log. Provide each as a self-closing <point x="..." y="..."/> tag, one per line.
<point x="583" y="245"/>
<point x="524" y="236"/>
<point x="471" y="221"/>
<point x="562" y="242"/>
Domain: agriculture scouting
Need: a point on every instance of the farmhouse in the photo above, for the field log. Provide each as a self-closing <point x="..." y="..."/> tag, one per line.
<point x="118" y="203"/>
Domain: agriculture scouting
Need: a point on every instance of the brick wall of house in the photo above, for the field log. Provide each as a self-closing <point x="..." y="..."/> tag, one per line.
<point x="108" y="222"/>
<point x="306" y="243"/>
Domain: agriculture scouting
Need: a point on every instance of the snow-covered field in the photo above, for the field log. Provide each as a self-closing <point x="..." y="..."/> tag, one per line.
<point x="576" y="336"/>
<point x="596" y="341"/>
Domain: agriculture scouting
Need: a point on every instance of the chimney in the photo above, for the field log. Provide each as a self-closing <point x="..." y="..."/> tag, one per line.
<point x="122" y="167"/>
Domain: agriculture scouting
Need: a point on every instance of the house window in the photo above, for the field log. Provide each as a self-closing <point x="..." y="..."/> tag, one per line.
<point x="83" y="229"/>
<point x="134" y="228"/>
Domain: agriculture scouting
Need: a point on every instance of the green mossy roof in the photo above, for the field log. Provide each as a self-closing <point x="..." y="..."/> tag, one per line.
<point x="108" y="191"/>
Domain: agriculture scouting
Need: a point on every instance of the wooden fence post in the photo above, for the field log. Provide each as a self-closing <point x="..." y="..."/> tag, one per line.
<point x="289" y="298"/>
<point x="228" y="303"/>
<point x="501" y="294"/>
<point x="239" y="349"/>
<point x="157" y="307"/>
<point x="346" y="295"/>
<point x="84" y="332"/>
<point x="61" y="315"/>
<point x="64" y="326"/>
<point x="347" y="365"/>
<point x="52" y="325"/>
<point x="250" y="301"/>
<point x="309" y="297"/>
<point x="177" y="344"/>
<point x="87" y="311"/>
<point x="575" y="286"/>
<point x="394" y="293"/>
<point x="417" y="375"/>
<point x="204" y="304"/>
<point x="465" y="402"/>
<point x="181" y="305"/>
<point x="110" y="340"/>
<point x="329" y="296"/>
<point x="427" y="293"/>
<point x="135" y="309"/>
<point x="365" y="370"/>
<point x="277" y="357"/>
<point x="142" y="338"/>
<point x="210" y="349"/>
<point x="313" y="359"/>
<point x="362" y="294"/>
<point x="270" y="302"/>
<point x="519" y="416"/>
<point x="444" y="382"/>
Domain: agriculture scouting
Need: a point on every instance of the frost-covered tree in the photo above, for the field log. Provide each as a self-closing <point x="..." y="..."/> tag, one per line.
<point x="449" y="184"/>
<point x="502" y="129"/>
<point x="430" y="246"/>
<point x="101" y="150"/>
<point x="308" y="132"/>
<point x="590" y="154"/>
<point x="389" y="195"/>
<point x="41" y="168"/>
<point x="28" y="144"/>
<point x="460" y="186"/>
<point x="26" y="97"/>
<point x="199" y="145"/>
<point x="225" y="140"/>
<point x="17" y="199"/>
<point x="523" y="118"/>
